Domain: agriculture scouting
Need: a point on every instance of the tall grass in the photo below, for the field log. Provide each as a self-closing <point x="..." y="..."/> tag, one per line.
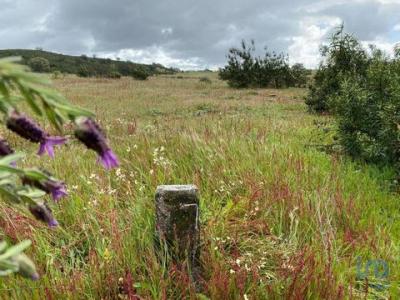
<point x="279" y="219"/>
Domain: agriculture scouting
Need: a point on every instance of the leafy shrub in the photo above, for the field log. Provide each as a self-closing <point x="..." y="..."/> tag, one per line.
<point x="299" y="75"/>
<point x="343" y="58"/>
<point x="39" y="64"/>
<point x="84" y="71"/>
<point x="139" y="73"/>
<point x="367" y="111"/>
<point x="57" y="74"/>
<point x="114" y="75"/>
<point x="361" y="89"/>
<point x="244" y="69"/>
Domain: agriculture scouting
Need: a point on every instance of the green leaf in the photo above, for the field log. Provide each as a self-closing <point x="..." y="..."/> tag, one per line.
<point x="9" y="195"/>
<point x="3" y="245"/>
<point x="6" y="181"/>
<point x="35" y="174"/>
<point x="52" y="116"/>
<point x="30" y="99"/>
<point x="8" y="267"/>
<point x="4" y="90"/>
<point x="69" y="109"/>
<point x="14" y="250"/>
<point x="7" y="160"/>
<point x="32" y="193"/>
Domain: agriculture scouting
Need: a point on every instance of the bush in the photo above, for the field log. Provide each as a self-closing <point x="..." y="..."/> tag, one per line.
<point x="244" y="69"/>
<point x="39" y="64"/>
<point x="368" y="116"/>
<point x="83" y="71"/>
<point x="343" y="58"/>
<point x="114" y="75"/>
<point x="361" y="89"/>
<point x="299" y="75"/>
<point x="139" y="73"/>
<point x="57" y="74"/>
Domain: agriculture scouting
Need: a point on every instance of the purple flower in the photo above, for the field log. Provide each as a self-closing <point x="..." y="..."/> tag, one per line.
<point x="5" y="148"/>
<point x="47" y="144"/>
<point x="28" y="129"/>
<point x="55" y="188"/>
<point x="42" y="212"/>
<point x="52" y="187"/>
<point x="91" y="135"/>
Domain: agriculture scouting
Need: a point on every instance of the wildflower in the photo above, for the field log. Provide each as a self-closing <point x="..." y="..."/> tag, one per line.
<point x="52" y="187"/>
<point x="91" y="135"/>
<point x="42" y="212"/>
<point x="5" y="148"/>
<point x="28" y="129"/>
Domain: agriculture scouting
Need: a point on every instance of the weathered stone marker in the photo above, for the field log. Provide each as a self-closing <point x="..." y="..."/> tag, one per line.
<point x="177" y="223"/>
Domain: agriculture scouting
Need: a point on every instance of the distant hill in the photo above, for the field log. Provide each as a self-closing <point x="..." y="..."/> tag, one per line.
<point x="88" y="66"/>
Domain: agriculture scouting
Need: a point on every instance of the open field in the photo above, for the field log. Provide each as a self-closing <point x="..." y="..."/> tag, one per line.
<point x="280" y="219"/>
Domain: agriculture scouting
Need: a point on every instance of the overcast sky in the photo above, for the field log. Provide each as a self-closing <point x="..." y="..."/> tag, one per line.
<point x="192" y="34"/>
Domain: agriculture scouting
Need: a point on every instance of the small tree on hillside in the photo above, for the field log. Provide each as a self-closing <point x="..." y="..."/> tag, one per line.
<point x="83" y="71"/>
<point x="39" y="64"/>
<point x="139" y="73"/>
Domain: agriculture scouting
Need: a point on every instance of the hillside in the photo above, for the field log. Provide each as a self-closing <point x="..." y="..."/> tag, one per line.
<point x="92" y="66"/>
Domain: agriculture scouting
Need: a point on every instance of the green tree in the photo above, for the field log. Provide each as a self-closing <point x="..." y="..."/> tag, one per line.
<point x="299" y="74"/>
<point x="39" y="64"/>
<point x="245" y="69"/>
<point x="343" y="58"/>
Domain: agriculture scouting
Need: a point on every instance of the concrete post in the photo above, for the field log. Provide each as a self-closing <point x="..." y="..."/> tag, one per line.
<point x="177" y="223"/>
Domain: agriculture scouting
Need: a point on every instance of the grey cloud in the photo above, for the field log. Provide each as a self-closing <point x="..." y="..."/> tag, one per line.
<point x="367" y="19"/>
<point x="200" y="31"/>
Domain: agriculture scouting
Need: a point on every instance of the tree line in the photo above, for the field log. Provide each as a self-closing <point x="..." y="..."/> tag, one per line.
<point x="84" y="66"/>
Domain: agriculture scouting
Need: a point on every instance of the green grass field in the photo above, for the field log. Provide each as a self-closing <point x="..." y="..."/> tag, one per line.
<point x="280" y="218"/>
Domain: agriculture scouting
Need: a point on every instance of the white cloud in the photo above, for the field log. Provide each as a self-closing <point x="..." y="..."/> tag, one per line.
<point x="386" y="46"/>
<point x="305" y="47"/>
<point x="389" y="1"/>
<point x="156" y="54"/>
